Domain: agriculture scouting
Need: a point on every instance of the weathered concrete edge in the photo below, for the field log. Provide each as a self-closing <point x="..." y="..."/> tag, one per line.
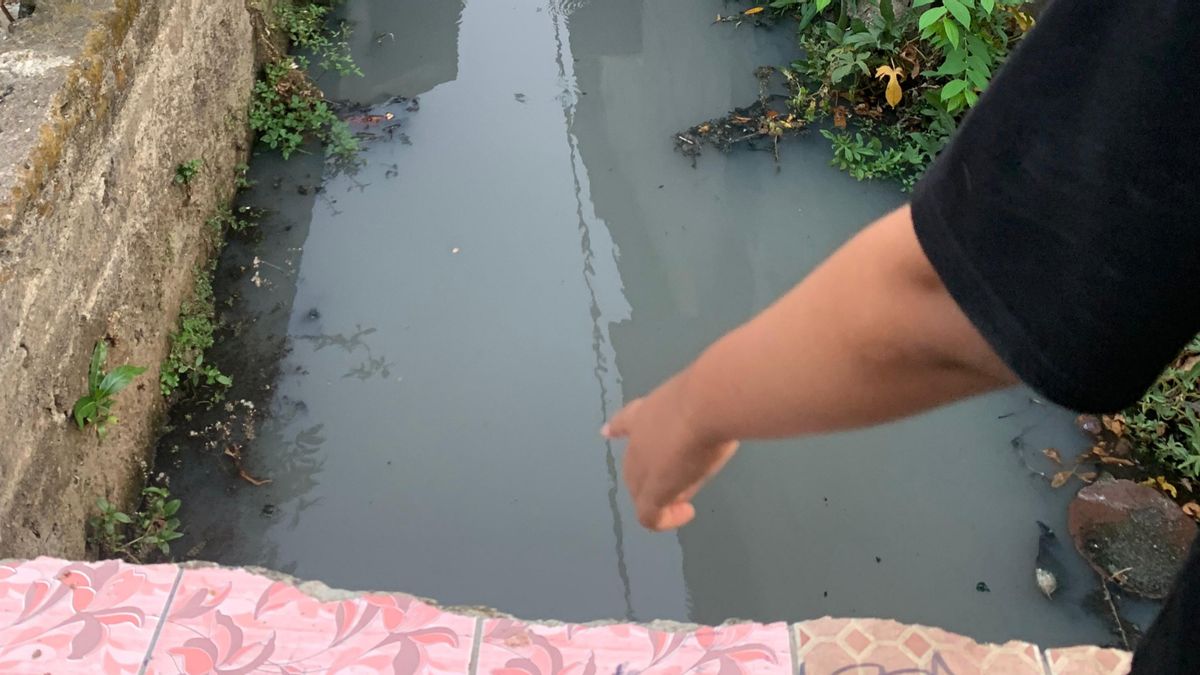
<point x="97" y="243"/>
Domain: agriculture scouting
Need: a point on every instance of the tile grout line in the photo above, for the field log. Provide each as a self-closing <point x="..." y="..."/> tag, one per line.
<point x="795" y="648"/>
<point x="473" y="664"/>
<point x="161" y="622"/>
<point x="1045" y="661"/>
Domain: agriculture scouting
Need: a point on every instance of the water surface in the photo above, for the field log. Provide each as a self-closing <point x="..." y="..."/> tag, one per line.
<point x="446" y="329"/>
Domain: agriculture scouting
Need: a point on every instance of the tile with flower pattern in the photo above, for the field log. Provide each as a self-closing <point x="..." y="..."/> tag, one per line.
<point x="233" y="622"/>
<point x="511" y="647"/>
<point x="72" y="617"/>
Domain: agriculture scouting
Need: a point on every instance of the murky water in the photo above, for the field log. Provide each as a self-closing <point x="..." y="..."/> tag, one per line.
<point x="443" y="332"/>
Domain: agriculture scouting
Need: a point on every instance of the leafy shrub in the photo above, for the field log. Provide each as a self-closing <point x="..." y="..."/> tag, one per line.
<point x="903" y="79"/>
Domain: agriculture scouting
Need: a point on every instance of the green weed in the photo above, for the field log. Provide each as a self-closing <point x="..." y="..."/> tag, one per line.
<point x="240" y="177"/>
<point x="238" y="221"/>
<point x="185" y="172"/>
<point x="95" y="407"/>
<point x="1165" y="424"/>
<point x="185" y="365"/>
<point x="307" y="28"/>
<point x="153" y="527"/>
<point x="286" y="109"/>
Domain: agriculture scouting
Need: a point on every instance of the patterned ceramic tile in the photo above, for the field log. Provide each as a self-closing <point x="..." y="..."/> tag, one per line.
<point x="232" y="621"/>
<point x="511" y="647"/>
<point x="840" y="646"/>
<point x="1089" y="661"/>
<point x="66" y="617"/>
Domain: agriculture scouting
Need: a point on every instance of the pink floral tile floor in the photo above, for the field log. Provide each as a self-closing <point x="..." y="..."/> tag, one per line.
<point x="511" y="647"/>
<point x="109" y="618"/>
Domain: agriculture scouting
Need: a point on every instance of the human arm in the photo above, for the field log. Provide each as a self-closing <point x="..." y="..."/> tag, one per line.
<point x="870" y="335"/>
<point x="1061" y="222"/>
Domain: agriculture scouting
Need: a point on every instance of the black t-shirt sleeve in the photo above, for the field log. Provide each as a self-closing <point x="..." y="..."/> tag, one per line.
<point x="1064" y="216"/>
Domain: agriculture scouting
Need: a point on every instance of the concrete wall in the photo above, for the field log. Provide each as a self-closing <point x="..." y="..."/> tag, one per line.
<point x="105" y="98"/>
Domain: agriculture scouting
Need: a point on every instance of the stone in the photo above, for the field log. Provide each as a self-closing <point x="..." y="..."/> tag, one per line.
<point x="1131" y="534"/>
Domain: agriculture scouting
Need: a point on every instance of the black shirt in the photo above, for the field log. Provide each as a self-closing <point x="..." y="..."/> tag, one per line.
<point x="1064" y="218"/>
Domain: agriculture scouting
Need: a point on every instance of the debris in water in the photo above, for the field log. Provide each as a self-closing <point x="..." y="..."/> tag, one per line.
<point x="741" y="125"/>
<point x="767" y="118"/>
<point x="1088" y="424"/>
<point x="1048" y="568"/>
<point x="234" y="452"/>
<point x="256" y="482"/>
<point x="455" y="249"/>
<point x="1047" y="583"/>
<point x="982" y="587"/>
<point x="519" y="97"/>
<point x="369" y="119"/>
<point x="1104" y="604"/>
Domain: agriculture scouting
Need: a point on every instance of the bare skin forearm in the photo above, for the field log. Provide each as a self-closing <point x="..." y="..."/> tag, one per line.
<point x="869" y="336"/>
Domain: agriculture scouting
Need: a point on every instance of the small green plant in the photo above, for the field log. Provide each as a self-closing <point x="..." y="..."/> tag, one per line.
<point x="286" y="109"/>
<point x="95" y="407"/>
<point x="240" y="177"/>
<point x="156" y="521"/>
<point x="307" y="28"/>
<point x="153" y="527"/>
<point x="186" y="364"/>
<point x="185" y="172"/>
<point x="1165" y="425"/>
<point x="238" y="221"/>
<point x="108" y="526"/>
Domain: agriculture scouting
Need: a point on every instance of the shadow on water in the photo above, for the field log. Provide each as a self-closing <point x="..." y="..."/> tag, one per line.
<point x="436" y="338"/>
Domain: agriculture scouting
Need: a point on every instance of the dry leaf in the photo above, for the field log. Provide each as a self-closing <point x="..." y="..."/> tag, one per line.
<point x="1192" y="509"/>
<point x="772" y="114"/>
<point x="894" y="93"/>
<point x="753" y="10"/>
<point x="1115" y="424"/>
<point x="839" y="117"/>
<point x="1099" y="450"/>
<point x="1053" y="455"/>
<point x="1120" y="461"/>
<point x="256" y="482"/>
<point x="1060" y="479"/>
<point x="1090" y="476"/>
<point x="1167" y="487"/>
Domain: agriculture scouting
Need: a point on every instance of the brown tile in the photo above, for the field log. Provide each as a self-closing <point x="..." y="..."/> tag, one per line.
<point x="1088" y="661"/>
<point x="828" y="646"/>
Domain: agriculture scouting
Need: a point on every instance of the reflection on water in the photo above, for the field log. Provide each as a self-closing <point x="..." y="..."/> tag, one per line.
<point x="520" y="253"/>
<point x="403" y="49"/>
